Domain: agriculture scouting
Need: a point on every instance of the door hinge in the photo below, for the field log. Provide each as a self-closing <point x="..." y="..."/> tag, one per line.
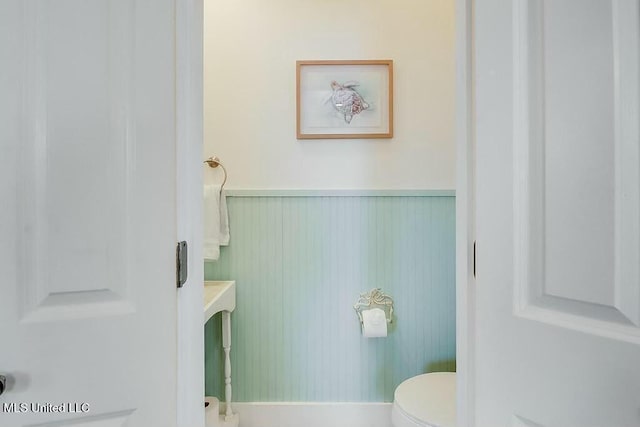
<point x="181" y="263"/>
<point x="474" y="258"/>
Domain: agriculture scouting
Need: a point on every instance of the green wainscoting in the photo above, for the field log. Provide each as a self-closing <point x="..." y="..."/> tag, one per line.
<point x="300" y="261"/>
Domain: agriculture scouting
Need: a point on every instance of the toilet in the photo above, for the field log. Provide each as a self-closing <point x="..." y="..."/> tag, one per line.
<point x="427" y="400"/>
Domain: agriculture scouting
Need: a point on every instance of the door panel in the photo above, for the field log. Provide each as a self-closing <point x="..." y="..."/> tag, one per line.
<point x="74" y="60"/>
<point x="576" y="198"/>
<point x="558" y="234"/>
<point x="117" y="419"/>
<point x="578" y="130"/>
<point x="88" y="296"/>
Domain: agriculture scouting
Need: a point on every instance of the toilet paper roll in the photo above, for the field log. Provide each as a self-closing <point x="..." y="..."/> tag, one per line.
<point x="211" y="411"/>
<point x="374" y="323"/>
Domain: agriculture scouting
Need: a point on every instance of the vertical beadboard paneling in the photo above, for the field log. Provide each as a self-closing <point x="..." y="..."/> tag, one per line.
<point x="300" y="264"/>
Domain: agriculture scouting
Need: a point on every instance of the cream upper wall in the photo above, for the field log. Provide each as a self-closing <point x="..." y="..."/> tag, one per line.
<point x="251" y="47"/>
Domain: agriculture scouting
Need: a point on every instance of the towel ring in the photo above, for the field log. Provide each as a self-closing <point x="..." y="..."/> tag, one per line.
<point x="214" y="162"/>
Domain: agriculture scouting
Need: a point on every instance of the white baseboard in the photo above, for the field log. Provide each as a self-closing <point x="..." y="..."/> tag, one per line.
<point x="313" y="414"/>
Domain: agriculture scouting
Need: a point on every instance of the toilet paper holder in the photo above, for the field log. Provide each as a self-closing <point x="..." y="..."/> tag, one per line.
<point x="375" y="298"/>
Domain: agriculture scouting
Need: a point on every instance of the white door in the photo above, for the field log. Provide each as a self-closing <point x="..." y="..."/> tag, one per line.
<point x="558" y="213"/>
<point x="88" y="216"/>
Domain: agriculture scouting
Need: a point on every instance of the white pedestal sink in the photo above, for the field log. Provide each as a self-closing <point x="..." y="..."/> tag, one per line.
<point x="220" y="296"/>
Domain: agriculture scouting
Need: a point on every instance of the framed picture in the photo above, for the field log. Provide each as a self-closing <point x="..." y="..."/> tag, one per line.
<point x="344" y="99"/>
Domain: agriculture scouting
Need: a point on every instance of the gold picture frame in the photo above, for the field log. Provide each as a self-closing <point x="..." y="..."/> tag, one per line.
<point x="340" y="99"/>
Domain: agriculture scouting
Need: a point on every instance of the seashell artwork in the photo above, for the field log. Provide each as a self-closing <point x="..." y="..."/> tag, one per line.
<point x="340" y="99"/>
<point x="346" y="100"/>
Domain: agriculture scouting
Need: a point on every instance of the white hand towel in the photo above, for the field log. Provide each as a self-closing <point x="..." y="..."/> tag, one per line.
<point x="224" y="220"/>
<point x="216" y="222"/>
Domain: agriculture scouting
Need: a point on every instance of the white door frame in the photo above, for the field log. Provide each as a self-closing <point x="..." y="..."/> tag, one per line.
<point x="465" y="213"/>
<point x="189" y="136"/>
<point x="189" y="43"/>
